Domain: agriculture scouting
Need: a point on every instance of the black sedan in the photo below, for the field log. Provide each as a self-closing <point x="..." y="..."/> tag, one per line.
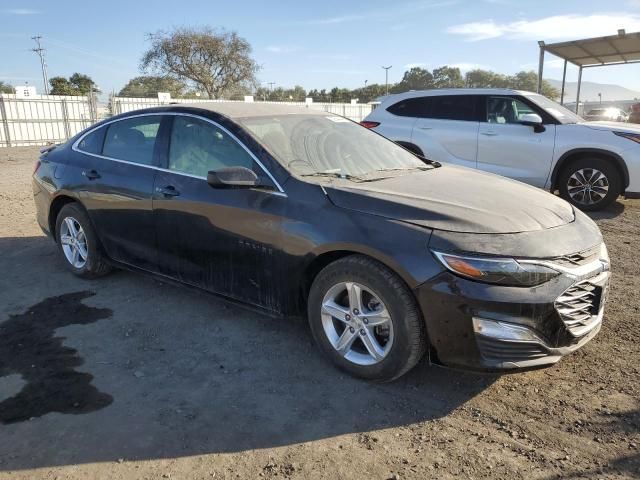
<point x="303" y="213"/>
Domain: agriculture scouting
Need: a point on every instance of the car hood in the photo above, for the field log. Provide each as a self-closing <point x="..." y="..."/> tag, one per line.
<point x="614" y="126"/>
<point x="455" y="199"/>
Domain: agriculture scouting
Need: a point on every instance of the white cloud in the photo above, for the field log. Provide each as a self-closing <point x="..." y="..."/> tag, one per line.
<point x="331" y="56"/>
<point x="282" y="48"/>
<point x="21" y="11"/>
<point x="400" y="10"/>
<point x="549" y="28"/>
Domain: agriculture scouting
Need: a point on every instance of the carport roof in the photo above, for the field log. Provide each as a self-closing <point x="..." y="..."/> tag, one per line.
<point x="599" y="51"/>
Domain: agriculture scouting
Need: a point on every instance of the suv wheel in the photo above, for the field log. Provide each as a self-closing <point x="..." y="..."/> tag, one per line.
<point x="78" y="243"/>
<point x="590" y="183"/>
<point x="365" y="319"/>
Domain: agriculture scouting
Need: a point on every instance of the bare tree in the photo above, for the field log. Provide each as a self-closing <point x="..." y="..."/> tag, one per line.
<point x="217" y="61"/>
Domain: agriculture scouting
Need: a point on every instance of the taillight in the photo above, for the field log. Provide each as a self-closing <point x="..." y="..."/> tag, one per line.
<point x="367" y="124"/>
<point x="38" y="163"/>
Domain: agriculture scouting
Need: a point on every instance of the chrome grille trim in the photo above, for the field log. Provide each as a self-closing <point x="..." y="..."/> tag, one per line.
<point x="581" y="305"/>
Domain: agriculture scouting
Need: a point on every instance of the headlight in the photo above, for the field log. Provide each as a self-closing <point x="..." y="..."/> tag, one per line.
<point x="634" y="137"/>
<point x="500" y="271"/>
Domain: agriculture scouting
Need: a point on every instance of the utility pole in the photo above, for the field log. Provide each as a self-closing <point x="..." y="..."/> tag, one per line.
<point x="386" y="78"/>
<point x="271" y="84"/>
<point x="40" y="52"/>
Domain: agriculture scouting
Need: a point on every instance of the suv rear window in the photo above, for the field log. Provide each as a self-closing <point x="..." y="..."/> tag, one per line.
<point x="442" y="107"/>
<point x="410" y="107"/>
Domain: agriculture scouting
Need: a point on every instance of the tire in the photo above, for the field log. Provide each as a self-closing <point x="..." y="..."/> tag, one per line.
<point x="600" y="193"/>
<point x="90" y="260"/>
<point x="402" y="337"/>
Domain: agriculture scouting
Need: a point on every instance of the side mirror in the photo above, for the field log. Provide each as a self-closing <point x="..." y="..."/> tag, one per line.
<point x="241" y="177"/>
<point x="533" y="120"/>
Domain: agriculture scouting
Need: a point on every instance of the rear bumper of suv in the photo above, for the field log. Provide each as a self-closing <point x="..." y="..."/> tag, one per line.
<point x="484" y="327"/>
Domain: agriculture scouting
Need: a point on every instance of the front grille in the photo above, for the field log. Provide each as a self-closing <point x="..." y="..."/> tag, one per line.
<point x="579" y="305"/>
<point x="578" y="259"/>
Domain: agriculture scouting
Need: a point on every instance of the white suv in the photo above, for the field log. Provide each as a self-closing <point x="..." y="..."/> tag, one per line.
<point x="517" y="134"/>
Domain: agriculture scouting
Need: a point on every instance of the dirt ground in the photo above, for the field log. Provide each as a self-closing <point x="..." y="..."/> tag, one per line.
<point x="127" y="377"/>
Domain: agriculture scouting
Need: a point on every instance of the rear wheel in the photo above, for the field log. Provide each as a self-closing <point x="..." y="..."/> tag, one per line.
<point x="78" y="243"/>
<point x="365" y="319"/>
<point x="590" y="183"/>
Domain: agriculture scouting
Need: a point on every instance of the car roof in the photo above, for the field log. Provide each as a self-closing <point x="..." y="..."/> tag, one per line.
<point x="457" y="91"/>
<point x="249" y="109"/>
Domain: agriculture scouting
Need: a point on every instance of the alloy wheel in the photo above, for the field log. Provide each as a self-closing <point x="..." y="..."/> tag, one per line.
<point x="74" y="242"/>
<point x="357" y="323"/>
<point x="588" y="186"/>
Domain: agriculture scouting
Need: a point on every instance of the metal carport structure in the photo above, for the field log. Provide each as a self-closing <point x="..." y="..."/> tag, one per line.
<point x="620" y="49"/>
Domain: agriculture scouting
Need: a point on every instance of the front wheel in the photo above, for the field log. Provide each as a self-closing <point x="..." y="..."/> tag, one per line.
<point x="590" y="183"/>
<point x="365" y="319"/>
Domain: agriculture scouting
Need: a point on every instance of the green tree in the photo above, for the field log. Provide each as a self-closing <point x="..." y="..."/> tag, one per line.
<point x="6" y="88"/>
<point x="216" y="62"/>
<point x="148" y="86"/>
<point x="447" y="77"/>
<point x="529" y="81"/>
<point x="485" y="79"/>
<point x="77" y="84"/>
<point x="414" y="79"/>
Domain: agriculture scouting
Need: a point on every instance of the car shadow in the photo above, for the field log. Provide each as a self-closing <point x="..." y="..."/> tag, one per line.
<point x="612" y="211"/>
<point x="169" y="372"/>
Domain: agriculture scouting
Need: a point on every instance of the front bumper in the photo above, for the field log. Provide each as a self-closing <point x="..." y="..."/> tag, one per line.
<point x="478" y="326"/>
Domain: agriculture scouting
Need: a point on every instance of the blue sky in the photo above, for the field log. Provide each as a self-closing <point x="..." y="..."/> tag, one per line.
<point x="314" y="44"/>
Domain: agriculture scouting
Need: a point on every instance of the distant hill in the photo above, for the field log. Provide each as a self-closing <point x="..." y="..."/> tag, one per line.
<point x="589" y="91"/>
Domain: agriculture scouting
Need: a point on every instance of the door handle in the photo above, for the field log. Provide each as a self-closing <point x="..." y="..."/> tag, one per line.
<point x="489" y="133"/>
<point x="425" y="128"/>
<point x="91" y="174"/>
<point x="168" y="191"/>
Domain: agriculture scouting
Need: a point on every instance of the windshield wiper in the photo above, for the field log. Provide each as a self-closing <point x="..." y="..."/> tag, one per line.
<point x="399" y="169"/>
<point x="334" y="173"/>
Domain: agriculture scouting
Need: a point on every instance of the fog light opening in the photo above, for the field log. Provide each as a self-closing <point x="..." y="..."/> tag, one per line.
<point x="505" y="331"/>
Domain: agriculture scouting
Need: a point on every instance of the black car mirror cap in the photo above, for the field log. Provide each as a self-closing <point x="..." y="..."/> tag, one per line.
<point x="533" y="120"/>
<point x="233" y="177"/>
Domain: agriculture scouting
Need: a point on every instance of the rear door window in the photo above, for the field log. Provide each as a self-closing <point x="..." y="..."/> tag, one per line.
<point x="454" y="107"/>
<point x="132" y="139"/>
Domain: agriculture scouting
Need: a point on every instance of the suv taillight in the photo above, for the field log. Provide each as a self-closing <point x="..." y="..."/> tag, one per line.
<point x="367" y="124"/>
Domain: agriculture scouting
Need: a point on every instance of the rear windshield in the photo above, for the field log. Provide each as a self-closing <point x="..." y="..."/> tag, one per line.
<point x="311" y="144"/>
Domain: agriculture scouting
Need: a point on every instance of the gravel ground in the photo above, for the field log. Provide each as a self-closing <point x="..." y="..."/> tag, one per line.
<point x="127" y="377"/>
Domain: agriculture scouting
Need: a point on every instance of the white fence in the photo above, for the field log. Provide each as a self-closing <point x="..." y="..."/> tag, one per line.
<point x="355" y="112"/>
<point x="43" y="119"/>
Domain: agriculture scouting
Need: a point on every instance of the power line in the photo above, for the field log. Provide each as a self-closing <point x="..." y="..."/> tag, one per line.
<point x="40" y="52"/>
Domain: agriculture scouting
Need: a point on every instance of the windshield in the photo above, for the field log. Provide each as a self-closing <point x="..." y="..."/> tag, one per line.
<point x="557" y="111"/>
<point x="315" y="145"/>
